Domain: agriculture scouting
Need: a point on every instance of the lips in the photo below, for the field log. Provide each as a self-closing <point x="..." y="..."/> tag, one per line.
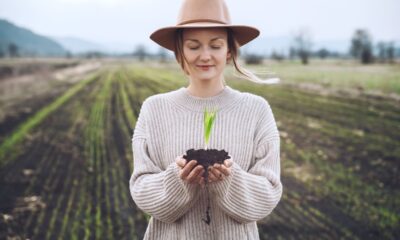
<point x="204" y="67"/>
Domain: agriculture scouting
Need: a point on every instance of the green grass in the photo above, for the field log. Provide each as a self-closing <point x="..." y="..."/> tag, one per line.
<point x="330" y="74"/>
<point x="341" y="150"/>
<point x="339" y="155"/>
<point x="334" y="142"/>
<point x="19" y="134"/>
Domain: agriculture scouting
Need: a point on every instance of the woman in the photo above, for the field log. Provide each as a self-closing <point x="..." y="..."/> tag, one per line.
<point x="243" y="190"/>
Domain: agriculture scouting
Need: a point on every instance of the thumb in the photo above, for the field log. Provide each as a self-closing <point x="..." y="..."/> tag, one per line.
<point x="228" y="163"/>
<point x="180" y="161"/>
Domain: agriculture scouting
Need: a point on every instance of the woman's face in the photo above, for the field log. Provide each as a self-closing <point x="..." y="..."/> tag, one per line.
<point x="206" y="53"/>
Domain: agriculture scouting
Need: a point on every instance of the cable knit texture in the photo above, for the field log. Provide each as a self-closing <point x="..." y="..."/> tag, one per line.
<point x="171" y="123"/>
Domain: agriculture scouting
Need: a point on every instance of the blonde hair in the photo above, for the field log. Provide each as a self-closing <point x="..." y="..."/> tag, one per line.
<point x="233" y="47"/>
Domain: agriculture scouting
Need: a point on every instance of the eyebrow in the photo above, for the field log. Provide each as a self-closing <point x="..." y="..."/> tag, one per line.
<point x="195" y="40"/>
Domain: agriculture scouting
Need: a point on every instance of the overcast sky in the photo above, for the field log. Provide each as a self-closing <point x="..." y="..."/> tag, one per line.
<point x="132" y="21"/>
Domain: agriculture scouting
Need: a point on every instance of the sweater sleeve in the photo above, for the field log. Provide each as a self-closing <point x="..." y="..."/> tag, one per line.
<point x="160" y="193"/>
<point x="251" y="195"/>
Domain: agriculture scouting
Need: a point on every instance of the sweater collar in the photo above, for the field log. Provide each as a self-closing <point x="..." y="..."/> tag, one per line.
<point x="227" y="97"/>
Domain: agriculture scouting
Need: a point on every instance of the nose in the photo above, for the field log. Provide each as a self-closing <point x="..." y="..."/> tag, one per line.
<point x="205" y="55"/>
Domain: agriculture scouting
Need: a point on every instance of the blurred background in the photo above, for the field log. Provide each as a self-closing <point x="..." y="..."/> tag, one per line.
<point x="74" y="73"/>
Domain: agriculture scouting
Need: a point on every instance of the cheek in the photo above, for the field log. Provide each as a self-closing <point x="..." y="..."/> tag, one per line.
<point x="190" y="59"/>
<point x="190" y="55"/>
<point x="223" y="56"/>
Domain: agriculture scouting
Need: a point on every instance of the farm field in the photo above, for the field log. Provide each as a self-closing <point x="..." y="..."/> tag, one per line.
<point x="65" y="166"/>
<point x="346" y="76"/>
<point x="26" y="85"/>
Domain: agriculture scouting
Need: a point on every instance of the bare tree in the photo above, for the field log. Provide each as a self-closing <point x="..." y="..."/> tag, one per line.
<point x="277" y="56"/>
<point x="140" y="52"/>
<point x="292" y="53"/>
<point x="252" y="58"/>
<point x="386" y="51"/>
<point x="361" y="46"/>
<point x="322" y="53"/>
<point x="302" y="45"/>
<point x="162" y="54"/>
<point x="13" y="50"/>
<point x="390" y="52"/>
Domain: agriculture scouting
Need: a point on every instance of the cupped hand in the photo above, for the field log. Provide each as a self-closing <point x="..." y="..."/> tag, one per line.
<point x="189" y="172"/>
<point x="219" y="172"/>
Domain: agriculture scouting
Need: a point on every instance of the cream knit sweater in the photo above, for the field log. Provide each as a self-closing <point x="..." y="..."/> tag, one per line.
<point x="171" y="123"/>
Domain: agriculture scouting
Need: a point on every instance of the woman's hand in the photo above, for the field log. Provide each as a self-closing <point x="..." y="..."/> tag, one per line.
<point x="218" y="172"/>
<point x="189" y="173"/>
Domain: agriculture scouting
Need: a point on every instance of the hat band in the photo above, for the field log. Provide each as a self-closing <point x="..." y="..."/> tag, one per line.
<point x="201" y="20"/>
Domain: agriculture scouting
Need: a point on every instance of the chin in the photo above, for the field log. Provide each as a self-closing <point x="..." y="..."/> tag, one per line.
<point x="205" y="79"/>
<point x="205" y="76"/>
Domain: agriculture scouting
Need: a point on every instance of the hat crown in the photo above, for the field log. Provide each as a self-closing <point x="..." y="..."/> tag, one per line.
<point x="192" y="11"/>
<point x="203" y="14"/>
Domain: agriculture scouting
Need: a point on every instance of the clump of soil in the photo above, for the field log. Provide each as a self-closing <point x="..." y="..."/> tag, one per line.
<point x="206" y="158"/>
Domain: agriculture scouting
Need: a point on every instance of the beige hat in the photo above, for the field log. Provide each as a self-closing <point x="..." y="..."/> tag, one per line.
<point x="201" y="14"/>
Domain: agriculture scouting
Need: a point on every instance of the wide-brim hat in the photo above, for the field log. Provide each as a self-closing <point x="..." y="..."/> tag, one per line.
<point x="203" y="14"/>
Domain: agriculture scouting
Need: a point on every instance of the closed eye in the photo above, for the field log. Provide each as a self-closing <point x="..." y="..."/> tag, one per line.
<point x="213" y="47"/>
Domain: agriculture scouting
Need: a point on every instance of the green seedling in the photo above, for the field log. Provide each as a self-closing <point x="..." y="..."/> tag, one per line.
<point x="209" y="117"/>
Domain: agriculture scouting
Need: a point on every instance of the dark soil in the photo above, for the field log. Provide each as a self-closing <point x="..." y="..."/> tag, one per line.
<point x="14" y="70"/>
<point x="206" y="158"/>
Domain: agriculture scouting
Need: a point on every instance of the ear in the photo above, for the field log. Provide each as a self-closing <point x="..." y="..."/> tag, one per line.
<point x="228" y="56"/>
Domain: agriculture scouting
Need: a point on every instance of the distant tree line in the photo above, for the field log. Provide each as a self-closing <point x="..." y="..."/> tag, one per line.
<point x="361" y="48"/>
<point x="141" y="53"/>
<point x="12" y="50"/>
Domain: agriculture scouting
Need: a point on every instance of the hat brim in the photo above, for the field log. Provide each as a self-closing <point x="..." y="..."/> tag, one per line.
<point x="165" y="36"/>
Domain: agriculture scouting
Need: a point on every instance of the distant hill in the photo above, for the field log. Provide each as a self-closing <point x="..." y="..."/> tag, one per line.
<point x="78" y="46"/>
<point x="28" y="42"/>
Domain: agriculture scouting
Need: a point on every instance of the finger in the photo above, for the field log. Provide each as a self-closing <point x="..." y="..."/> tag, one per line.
<point x="199" y="177"/>
<point x="217" y="169"/>
<point x="228" y="163"/>
<point x="218" y="175"/>
<point x="187" y="169"/>
<point x="211" y="176"/>
<point x="194" y="174"/>
<point x="202" y="182"/>
<point x="200" y="174"/>
<point x="180" y="161"/>
<point x="224" y="170"/>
